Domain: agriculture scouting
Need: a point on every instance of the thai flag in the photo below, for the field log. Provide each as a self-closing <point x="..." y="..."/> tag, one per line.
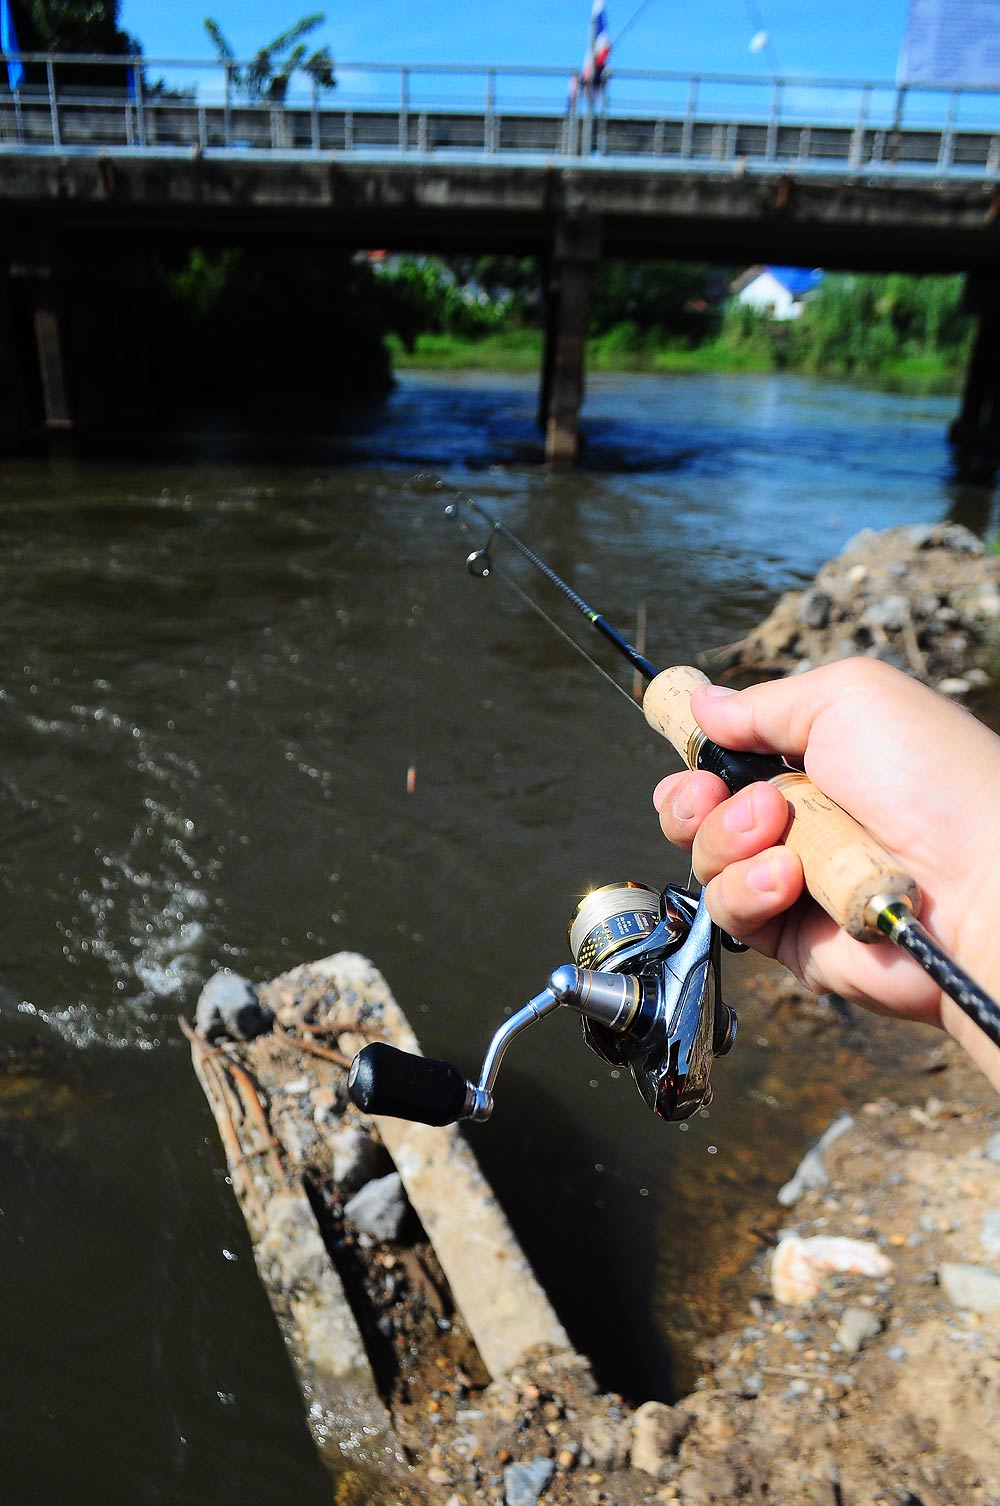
<point x="8" y="44"/>
<point x="601" y="35"/>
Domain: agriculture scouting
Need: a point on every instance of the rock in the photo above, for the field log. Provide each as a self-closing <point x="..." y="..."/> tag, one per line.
<point x="892" y="596"/>
<point x="798" y="1265"/>
<point x="811" y="1172"/>
<point x="962" y="540"/>
<point x="989" y="1231"/>
<point x="379" y="1208"/>
<point x="567" y="1456"/>
<point x="972" y="1287"/>
<point x="891" y="613"/>
<point x="524" y="1483"/>
<point x="353" y="1157"/>
<point x="992" y="1151"/>
<point x="857" y="1326"/>
<point x="814" y="609"/>
<point x="606" y="1442"/>
<point x="228" y="1006"/>
<point x="657" y="1433"/>
<point x="708" y="1482"/>
<point x="954" y="685"/>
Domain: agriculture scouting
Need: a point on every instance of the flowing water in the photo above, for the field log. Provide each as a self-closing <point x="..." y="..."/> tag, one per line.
<point x="214" y="678"/>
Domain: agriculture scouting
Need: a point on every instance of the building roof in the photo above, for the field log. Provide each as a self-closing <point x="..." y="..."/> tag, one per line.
<point x="797" y="280"/>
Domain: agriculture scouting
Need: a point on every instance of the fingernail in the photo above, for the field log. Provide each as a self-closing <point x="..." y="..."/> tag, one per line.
<point x="763" y="877"/>
<point x="683" y="806"/>
<point x="738" y="814"/>
<point x="660" y="795"/>
<point x="716" y="691"/>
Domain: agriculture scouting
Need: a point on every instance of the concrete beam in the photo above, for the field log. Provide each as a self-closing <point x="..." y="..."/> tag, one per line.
<point x="861" y="223"/>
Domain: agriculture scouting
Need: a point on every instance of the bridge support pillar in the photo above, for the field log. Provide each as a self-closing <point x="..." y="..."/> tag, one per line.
<point x="975" y="433"/>
<point x="33" y="269"/>
<point x="574" y="255"/>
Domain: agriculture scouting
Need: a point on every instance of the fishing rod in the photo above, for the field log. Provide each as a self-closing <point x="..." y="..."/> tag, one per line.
<point x="847" y="871"/>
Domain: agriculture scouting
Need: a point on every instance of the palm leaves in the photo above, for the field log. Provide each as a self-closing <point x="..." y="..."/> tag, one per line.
<point x="269" y="71"/>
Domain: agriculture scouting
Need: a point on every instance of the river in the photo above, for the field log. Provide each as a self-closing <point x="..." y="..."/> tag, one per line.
<point x="215" y="676"/>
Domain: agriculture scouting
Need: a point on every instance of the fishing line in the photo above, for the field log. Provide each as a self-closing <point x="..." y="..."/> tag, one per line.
<point x="633" y="18"/>
<point x="535" y="606"/>
<point x="859" y="883"/>
<point x="489" y="563"/>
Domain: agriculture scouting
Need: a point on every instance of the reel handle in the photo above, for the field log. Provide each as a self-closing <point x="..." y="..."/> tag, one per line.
<point x="385" y="1080"/>
<point x="845" y="867"/>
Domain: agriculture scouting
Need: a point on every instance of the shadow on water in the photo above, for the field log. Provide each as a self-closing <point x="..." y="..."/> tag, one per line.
<point x="214" y="678"/>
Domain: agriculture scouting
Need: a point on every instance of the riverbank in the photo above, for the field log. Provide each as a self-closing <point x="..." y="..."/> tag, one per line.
<point x="624" y="350"/>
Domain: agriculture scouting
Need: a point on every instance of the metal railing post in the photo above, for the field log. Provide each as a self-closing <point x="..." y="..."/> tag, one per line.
<point x="18" y="117"/>
<point x="897" y="125"/>
<point x="140" y="109"/>
<point x="404" y="108"/>
<point x="771" y="150"/>
<point x="489" y="122"/>
<point x="687" y="129"/>
<point x="858" y="137"/>
<point x="946" y="150"/>
<point x="50" y="75"/>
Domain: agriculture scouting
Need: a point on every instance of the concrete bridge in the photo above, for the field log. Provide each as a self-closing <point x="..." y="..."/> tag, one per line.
<point x="732" y="169"/>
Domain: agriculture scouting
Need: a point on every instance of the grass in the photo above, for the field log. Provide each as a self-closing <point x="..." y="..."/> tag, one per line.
<point x="625" y="349"/>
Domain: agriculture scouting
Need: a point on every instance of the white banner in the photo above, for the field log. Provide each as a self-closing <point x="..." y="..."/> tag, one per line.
<point x="950" y="43"/>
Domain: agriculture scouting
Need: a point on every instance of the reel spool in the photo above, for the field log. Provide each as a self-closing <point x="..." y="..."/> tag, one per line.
<point x="611" y="918"/>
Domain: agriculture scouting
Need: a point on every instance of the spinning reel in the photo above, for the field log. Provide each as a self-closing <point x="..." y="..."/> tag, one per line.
<point x="646" y="982"/>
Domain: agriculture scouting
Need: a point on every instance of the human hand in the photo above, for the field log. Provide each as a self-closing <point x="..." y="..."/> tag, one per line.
<point x="915" y="769"/>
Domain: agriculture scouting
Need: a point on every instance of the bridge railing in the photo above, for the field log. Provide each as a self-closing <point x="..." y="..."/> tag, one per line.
<point x="59" y="102"/>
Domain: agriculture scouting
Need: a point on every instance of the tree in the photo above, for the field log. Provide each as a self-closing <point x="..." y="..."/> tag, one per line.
<point x="268" y="74"/>
<point x="72" y="26"/>
<point x="672" y="298"/>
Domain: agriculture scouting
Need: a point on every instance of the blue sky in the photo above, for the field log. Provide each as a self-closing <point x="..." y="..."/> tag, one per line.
<point x="817" y="38"/>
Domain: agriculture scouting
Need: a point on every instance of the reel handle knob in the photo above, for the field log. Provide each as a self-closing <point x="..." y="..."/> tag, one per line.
<point x="845" y="867"/>
<point x="385" y="1080"/>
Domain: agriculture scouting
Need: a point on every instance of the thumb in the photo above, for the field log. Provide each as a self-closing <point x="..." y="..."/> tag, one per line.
<point x="779" y="715"/>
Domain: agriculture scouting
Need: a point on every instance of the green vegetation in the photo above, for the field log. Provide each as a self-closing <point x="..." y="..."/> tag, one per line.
<point x="895" y="331"/>
<point x="269" y="72"/>
<point x="509" y="350"/>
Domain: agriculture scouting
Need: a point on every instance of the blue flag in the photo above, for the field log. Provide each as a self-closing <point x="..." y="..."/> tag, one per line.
<point x="8" y="44"/>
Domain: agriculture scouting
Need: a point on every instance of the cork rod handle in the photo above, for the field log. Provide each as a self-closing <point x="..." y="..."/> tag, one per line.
<point x="844" y="866"/>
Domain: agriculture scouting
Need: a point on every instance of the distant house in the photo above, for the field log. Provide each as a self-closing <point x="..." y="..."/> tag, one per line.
<point x="780" y="292"/>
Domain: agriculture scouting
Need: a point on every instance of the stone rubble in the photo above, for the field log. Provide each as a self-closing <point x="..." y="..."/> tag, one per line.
<point x="924" y="597"/>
